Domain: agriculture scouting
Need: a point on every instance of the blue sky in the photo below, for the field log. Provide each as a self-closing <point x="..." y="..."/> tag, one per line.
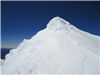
<point x="22" y="20"/>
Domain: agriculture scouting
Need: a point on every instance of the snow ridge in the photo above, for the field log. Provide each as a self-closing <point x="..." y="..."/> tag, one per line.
<point x="60" y="48"/>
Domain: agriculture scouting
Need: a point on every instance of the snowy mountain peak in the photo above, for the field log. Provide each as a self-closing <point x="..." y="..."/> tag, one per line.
<point x="60" y="52"/>
<point x="58" y="23"/>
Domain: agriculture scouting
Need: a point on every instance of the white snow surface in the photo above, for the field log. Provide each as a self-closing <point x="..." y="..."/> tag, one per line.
<point x="60" y="48"/>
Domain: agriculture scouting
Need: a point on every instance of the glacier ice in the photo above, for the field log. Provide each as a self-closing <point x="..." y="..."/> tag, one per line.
<point x="60" y="48"/>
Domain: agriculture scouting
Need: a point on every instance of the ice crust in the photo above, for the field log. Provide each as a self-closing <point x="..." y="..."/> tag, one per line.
<point x="60" y="48"/>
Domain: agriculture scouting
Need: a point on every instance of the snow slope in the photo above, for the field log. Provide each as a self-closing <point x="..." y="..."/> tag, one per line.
<point x="60" y="48"/>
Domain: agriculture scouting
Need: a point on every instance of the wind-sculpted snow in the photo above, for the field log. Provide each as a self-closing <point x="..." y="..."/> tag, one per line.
<point x="60" y="48"/>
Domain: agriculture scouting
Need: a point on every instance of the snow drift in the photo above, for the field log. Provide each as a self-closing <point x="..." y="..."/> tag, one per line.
<point x="60" y="48"/>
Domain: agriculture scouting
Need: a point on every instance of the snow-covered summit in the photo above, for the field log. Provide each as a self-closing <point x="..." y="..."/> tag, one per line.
<point x="60" y="48"/>
<point x="58" y="23"/>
